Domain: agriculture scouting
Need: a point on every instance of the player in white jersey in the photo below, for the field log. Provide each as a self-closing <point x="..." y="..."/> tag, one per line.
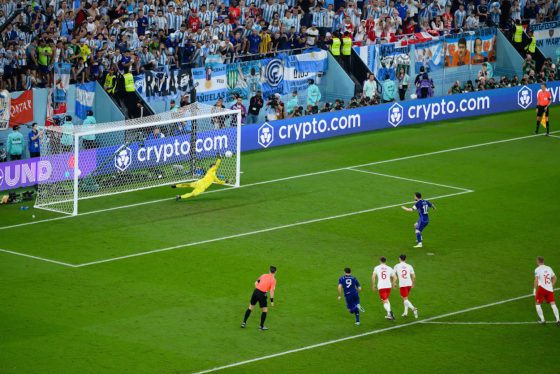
<point x="384" y="275"/>
<point x="407" y="278"/>
<point x="543" y="289"/>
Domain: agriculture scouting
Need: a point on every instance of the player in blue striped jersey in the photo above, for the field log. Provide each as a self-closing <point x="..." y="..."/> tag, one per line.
<point x="350" y="285"/>
<point x="422" y="206"/>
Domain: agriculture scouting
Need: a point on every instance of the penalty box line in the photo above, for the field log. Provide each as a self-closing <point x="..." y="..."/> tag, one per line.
<point x="270" y="229"/>
<point x="287" y="178"/>
<point x="250" y="233"/>
<point x="372" y="332"/>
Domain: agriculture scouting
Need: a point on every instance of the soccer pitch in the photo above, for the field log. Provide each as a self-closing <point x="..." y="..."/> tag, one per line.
<point x="140" y="283"/>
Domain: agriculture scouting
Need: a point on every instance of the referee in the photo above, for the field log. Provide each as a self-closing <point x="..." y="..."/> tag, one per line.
<point x="543" y="102"/>
<point x="265" y="283"/>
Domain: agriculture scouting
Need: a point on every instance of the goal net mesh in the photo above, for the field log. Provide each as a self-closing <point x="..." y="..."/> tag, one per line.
<point x="93" y="160"/>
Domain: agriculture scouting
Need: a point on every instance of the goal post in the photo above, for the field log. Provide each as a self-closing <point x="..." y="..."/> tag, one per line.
<point x="88" y="161"/>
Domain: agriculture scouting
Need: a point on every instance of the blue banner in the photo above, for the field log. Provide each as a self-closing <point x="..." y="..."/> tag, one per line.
<point x="345" y="122"/>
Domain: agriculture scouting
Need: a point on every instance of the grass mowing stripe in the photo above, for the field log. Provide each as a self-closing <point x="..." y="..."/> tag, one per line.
<point x="288" y="178"/>
<point x="373" y="332"/>
<point x="275" y="228"/>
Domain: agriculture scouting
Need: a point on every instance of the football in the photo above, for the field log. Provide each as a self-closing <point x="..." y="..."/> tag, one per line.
<point x="229" y="154"/>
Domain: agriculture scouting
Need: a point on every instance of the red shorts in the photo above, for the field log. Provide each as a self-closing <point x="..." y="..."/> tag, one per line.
<point x="405" y="291"/>
<point x="544" y="295"/>
<point x="384" y="293"/>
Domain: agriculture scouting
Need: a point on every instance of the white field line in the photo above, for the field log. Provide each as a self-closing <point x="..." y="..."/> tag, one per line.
<point x="372" y="332"/>
<point x="286" y="178"/>
<point x="479" y="323"/>
<point x="38" y="258"/>
<point x="275" y="228"/>
<point x="411" y="180"/>
<point x="555" y="136"/>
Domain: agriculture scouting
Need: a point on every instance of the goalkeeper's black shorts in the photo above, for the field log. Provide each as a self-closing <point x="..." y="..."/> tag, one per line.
<point x="259" y="297"/>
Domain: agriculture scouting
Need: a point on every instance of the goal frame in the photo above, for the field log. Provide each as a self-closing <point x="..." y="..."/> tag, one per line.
<point x="103" y="128"/>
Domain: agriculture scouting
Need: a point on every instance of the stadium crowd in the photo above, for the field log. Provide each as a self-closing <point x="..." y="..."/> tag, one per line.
<point x="98" y="36"/>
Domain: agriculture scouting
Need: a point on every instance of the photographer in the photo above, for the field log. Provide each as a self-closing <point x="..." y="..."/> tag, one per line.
<point x="272" y="107"/>
<point x="255" y="105"/>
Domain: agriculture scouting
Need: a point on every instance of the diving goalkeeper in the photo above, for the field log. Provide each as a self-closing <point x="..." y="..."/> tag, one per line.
<point x="201" y="185"/>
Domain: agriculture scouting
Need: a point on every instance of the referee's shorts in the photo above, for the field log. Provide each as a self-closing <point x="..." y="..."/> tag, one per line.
<point x="259" y="297"/>
<point x="542" y="110"/>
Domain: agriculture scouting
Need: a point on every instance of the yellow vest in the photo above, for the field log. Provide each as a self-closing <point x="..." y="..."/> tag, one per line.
<point x="128" y="82"/>
<point x="109" y="83"/>
<point x="518" y="36"/>
<point x="335" y="47"/>
<point x="532" y="46"/>
<point x="346" y="46"/>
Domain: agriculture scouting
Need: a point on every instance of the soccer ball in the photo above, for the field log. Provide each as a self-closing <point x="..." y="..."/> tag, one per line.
<point x="229" y="154"/>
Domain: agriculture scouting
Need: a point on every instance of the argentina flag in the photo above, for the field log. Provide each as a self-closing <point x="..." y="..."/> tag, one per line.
<point x="85" y="95"/>
<point x="210" y="82"/>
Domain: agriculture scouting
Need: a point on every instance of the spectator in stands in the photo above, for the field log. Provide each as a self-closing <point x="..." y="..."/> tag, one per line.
<point x="34" y="142"/>
<point x="403" y="79"/>
<point x="255" y="104"/>
<point x="173" y="106"/>
<point x="14" y="146"/>
<point x="238" y="105"/>
<point x="313" y="93"/>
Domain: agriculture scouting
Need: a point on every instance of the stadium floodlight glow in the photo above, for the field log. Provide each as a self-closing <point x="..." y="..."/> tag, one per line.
<point x="118" y="157"/>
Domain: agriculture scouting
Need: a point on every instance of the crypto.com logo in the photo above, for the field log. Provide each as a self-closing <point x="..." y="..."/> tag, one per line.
<point x="123" y="159"/>
<point x="524" y="97"/>
<point x="266" y="135"/>
<point x="395" y="115"/>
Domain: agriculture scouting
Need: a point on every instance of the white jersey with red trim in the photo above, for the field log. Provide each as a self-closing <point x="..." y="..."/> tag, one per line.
<point x="404" y="272"/>
<point x="544" y="276"/>
<point x="384" y="274"/>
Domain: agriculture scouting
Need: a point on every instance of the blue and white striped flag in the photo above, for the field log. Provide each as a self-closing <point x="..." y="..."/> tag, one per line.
<point x="85" y="94"/>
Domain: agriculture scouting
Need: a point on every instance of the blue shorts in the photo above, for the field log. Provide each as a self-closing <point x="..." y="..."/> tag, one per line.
<point x="352" y="300"/>
<point x="421" y="225"/>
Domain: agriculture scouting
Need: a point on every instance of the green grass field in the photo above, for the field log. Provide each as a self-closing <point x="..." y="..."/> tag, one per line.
<point x="162" y="287"/>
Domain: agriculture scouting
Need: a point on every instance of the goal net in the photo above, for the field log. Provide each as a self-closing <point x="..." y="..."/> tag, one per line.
<point x="87" y="161"/>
